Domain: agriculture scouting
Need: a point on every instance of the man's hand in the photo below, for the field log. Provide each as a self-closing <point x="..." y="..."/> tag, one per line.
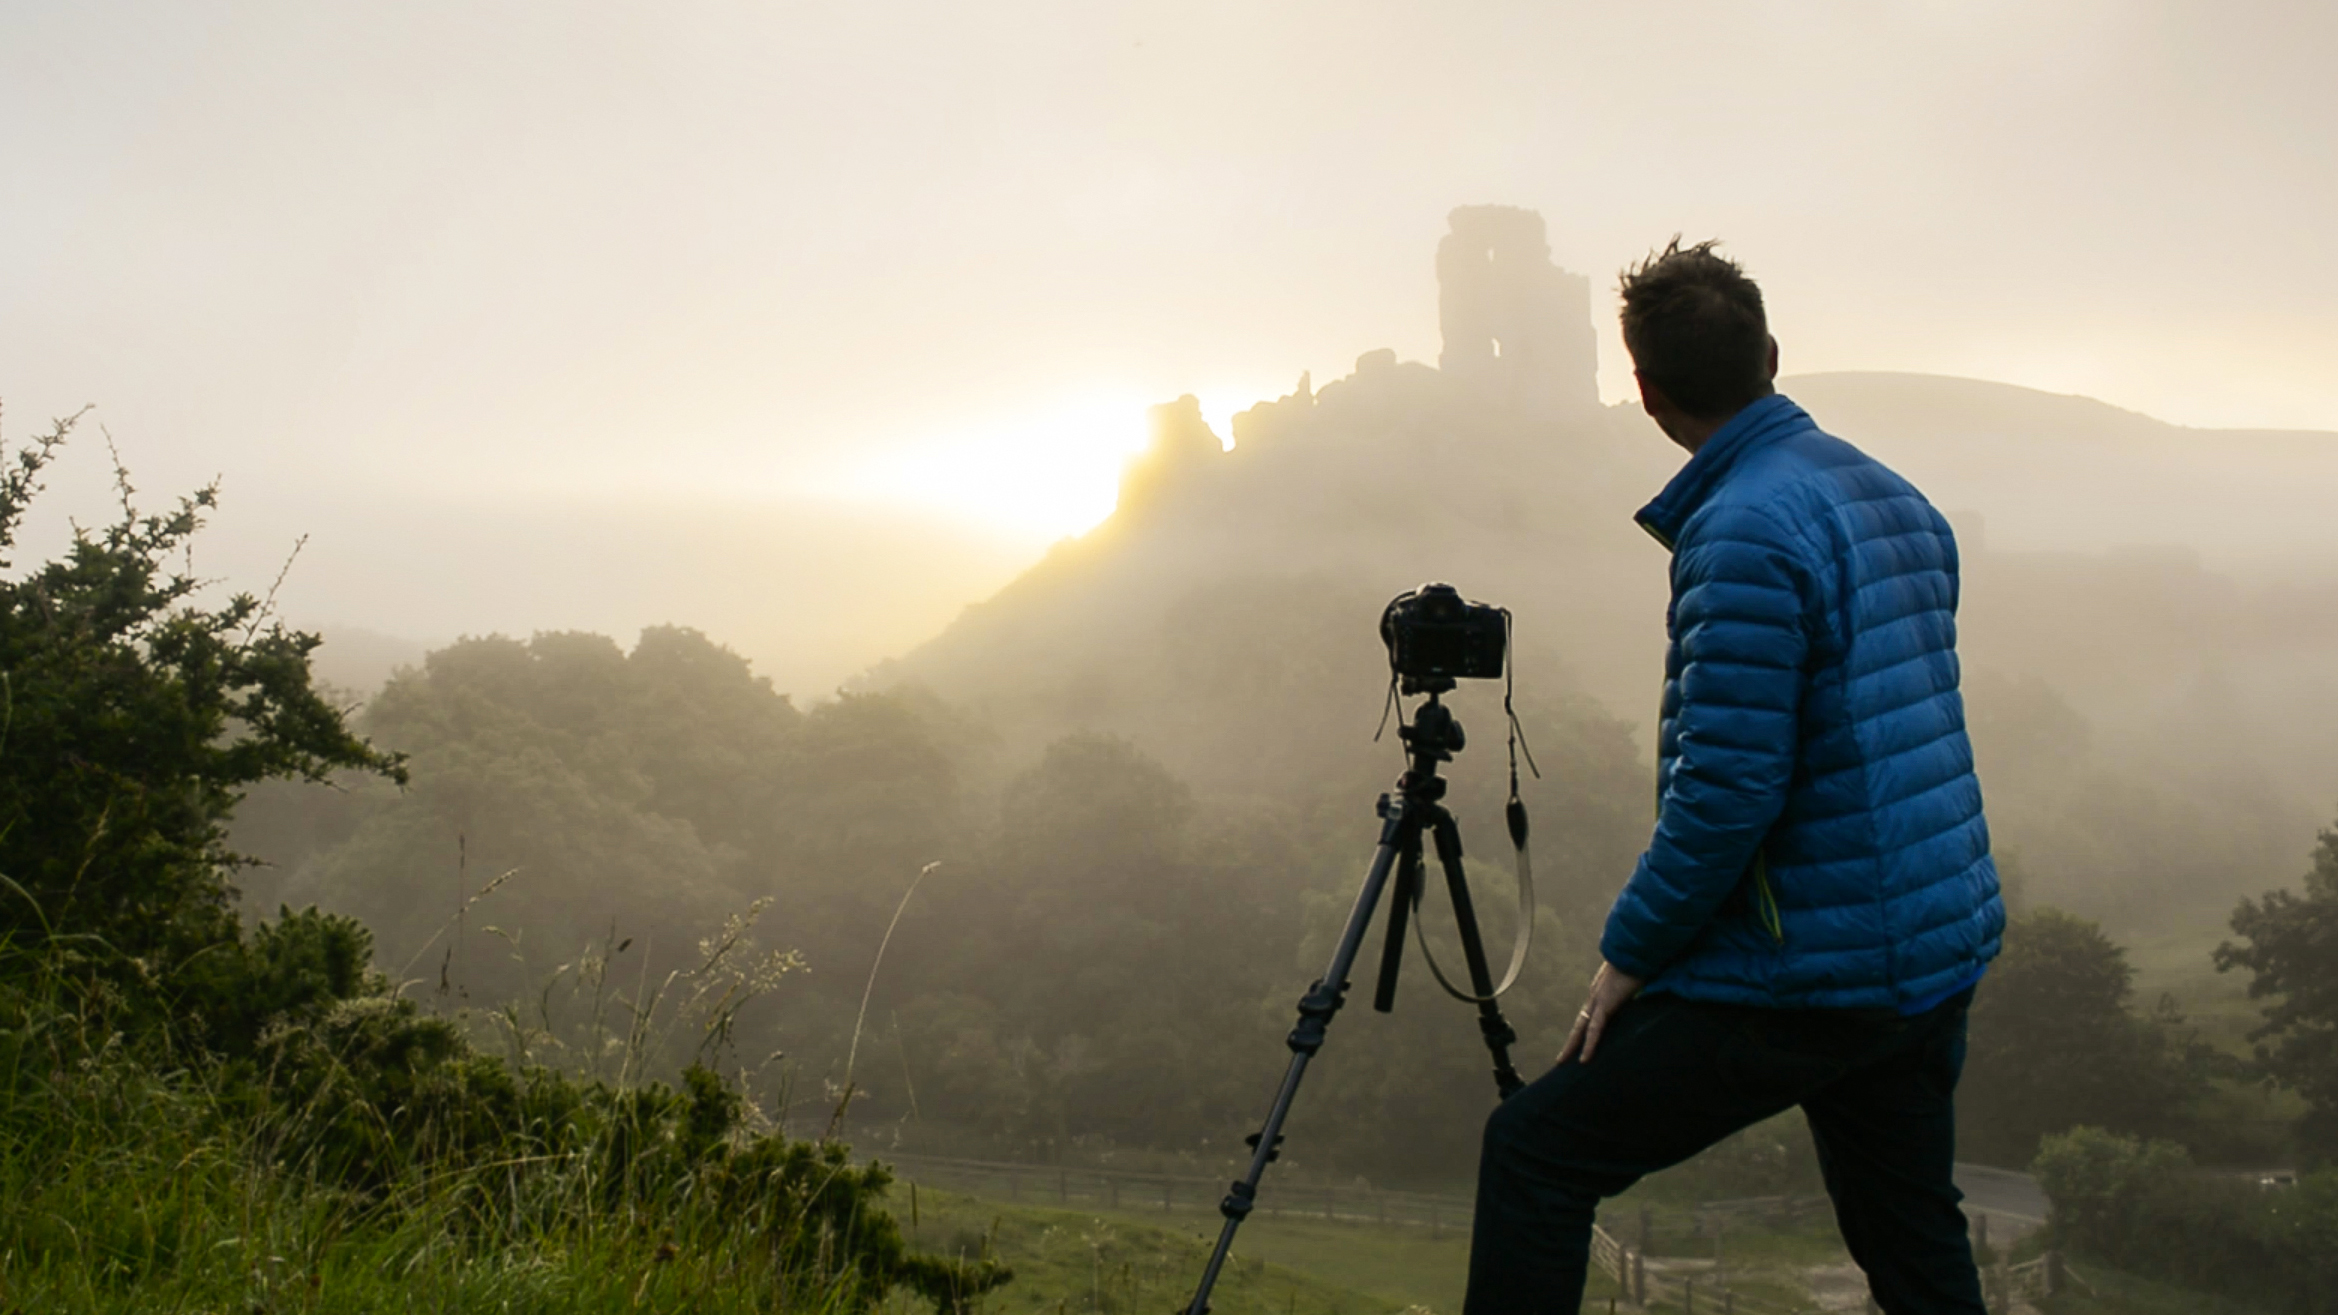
<point x="1610" y="988"/>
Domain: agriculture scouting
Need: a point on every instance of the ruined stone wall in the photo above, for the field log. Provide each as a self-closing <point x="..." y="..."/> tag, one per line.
<point x="1517" y="327"/>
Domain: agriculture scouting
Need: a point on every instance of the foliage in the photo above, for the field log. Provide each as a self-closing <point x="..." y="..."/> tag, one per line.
<point x="2054" y="1042"/>
<point x="567" y="788"/>
<point x="1118" y="969"/>
<point x="1072" y="979"/>
<point x="2137" y="1204"/>
<point x="132" y="717"/>
<point x="2291" y="950"/>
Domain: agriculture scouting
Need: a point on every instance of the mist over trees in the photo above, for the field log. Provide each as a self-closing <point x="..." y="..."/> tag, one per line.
<point x="1103" y="958"/>
<point x="2055" y="1042"/>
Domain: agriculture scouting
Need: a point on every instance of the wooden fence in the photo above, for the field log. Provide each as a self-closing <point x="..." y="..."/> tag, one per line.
<point x="1628" y="1266"/>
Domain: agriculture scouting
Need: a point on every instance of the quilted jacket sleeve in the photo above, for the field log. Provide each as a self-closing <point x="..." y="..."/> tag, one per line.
<point x="1741" y="593"/>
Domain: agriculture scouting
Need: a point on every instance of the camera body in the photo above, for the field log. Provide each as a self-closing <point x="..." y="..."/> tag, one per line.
<point x="1436" y="637"/>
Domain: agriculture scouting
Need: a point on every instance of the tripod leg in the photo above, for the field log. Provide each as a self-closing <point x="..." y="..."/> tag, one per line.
<point x="1497" y="1030"/>
<point x="1407" y="892"/>
<point x="1315" y="1013"/>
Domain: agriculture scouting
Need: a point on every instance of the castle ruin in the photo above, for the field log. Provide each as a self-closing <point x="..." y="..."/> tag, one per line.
<point x="1517" y="327"/>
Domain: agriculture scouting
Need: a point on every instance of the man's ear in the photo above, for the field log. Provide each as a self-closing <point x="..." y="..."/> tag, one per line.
<point x="1773" y="358"/>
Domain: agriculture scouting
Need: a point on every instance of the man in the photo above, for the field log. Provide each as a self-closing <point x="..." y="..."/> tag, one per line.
<point x="1818" y="902"/>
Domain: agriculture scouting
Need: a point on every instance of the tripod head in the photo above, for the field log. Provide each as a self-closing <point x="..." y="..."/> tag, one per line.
<point x="1433" y="736"/>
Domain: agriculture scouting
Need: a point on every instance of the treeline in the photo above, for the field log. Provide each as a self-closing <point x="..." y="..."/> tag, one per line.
<point x="1101" y="961"/>
<point x="1102" y="965"/>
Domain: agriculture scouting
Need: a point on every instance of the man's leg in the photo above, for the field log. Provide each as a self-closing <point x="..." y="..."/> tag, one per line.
<point x="1663" y="1087"/>
<point x="1886" y="1138"/>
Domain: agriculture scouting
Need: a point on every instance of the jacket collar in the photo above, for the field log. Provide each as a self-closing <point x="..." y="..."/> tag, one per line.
<point x="1751" y="429"/>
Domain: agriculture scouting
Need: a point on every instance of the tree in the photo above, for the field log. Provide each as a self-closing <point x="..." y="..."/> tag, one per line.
<point x="2054" y="1044"/>
<point x="2291" y="948"/>
<point x="132" y="718"/>
<point x="613" y="790"/>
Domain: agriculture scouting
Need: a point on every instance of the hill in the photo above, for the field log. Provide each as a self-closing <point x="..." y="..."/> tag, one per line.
<point x="2148" y="621"/>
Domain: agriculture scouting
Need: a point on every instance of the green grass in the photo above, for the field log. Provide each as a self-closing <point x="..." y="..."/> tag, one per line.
<point x="1115" y="1261"/>
<point x="2115" y="1293"/>
<point x="2179" y="965"/>
<point x="2243" y="1123"/>
<point x="1072" y="1261"/>
<point x="171" y="1224"/>
<point x="129" y="1188"/>
<point x="1105" y="1260"/>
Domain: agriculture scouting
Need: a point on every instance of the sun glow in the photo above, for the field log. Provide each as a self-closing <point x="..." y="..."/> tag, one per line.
<point x="1043" y="475"/>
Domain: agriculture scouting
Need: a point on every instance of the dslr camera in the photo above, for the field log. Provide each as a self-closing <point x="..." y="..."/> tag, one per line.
<point x="1436" y="637"/>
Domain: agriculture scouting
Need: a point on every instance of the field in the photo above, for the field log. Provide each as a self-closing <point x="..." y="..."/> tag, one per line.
<point x="1101" y="1259"/>
<point x="1104" y="1260"/>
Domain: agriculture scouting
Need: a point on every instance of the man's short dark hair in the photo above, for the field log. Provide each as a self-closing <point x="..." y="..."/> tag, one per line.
<point x="1694" y="325"/>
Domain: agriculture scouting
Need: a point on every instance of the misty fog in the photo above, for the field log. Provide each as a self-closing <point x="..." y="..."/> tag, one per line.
<point x="842" y="481"/>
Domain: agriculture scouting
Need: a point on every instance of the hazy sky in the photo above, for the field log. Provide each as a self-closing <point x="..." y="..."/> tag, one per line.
<point x="444" y="274"/>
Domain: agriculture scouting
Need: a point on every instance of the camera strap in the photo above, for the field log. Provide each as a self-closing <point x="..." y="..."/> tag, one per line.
<point x="1518" y="947"/>
<point x="1513" y="813"/>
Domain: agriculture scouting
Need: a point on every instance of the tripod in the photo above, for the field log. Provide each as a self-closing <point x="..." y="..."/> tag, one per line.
<point x="1414" y="808"/>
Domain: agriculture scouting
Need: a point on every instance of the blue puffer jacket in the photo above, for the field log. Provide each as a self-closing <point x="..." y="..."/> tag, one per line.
<point x="1819" y="840"/>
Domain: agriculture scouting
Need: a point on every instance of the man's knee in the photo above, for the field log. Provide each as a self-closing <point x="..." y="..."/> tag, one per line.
<point x="1508" y="1130"/>
<point x="1524" y="1136"/>
<point x="1528" y="1171"/>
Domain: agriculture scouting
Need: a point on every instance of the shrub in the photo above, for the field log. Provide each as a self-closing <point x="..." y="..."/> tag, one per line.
<point x="2140" y="1206"/>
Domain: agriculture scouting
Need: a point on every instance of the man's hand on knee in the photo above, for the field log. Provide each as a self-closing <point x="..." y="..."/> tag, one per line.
<point x="1610" y="988"/>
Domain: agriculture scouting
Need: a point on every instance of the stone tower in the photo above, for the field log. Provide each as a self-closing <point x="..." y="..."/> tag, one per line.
<point x="1517" y="327"/>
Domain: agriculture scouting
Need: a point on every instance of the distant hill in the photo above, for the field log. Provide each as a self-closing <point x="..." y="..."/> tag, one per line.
<point x="2049" y="471"/>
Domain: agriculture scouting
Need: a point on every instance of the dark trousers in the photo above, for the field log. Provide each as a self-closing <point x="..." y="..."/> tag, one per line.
<point x="1674" y="1076"/>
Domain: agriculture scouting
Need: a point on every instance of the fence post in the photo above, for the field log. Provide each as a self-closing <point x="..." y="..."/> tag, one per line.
<point x="1728" y="1302"/>
<point x="2053" y="1273"/>
<point x="1688" y="1297"/>
<point x="1639" y="1280"/>
<point x="1063" y="1186"/>
<point x="1647" y="1229"/>
<point x="1166" y="1185"/>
